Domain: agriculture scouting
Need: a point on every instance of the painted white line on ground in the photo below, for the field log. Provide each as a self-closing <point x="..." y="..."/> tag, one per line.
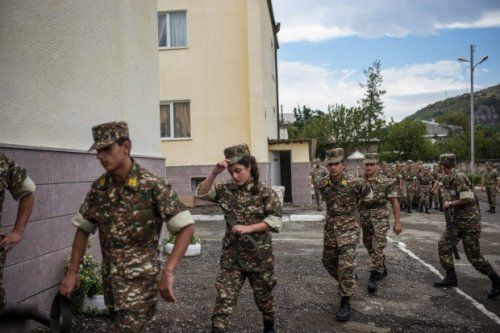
<point x="202" y="218"/>
<point x="291" y="218"/>
<point x="304" y="218"/>
<point x="476" y="304"/>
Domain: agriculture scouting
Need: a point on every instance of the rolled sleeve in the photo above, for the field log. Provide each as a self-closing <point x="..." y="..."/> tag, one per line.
<point x="368" y="197"/>
<point x="274" y="222"/>
<point x="179" y="222"/>
<point x="83" y="224"/>
<point x="466" y="195"/>
<point x="211" y="195"/>
<point x="25" y="188"/>
<point x="392" y="194"/>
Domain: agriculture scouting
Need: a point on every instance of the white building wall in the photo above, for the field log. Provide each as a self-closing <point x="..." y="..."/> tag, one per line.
<point x="68" y="65"/>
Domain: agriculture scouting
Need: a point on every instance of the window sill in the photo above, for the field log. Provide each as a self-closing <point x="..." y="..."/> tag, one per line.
<point x="172" y="48"/>
<point x="175" y="139"/>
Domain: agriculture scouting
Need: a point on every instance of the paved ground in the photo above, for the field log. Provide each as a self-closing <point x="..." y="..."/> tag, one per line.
<point x="306" y="297"/>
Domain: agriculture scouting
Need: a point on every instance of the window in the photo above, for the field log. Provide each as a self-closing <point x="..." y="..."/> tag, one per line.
<point x="172" y="31"/>
<point x="195" y="182"/>
<point x="175" y="120"/>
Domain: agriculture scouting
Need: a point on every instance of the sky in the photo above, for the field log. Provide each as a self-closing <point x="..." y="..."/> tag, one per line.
<point x="326" y="44"/>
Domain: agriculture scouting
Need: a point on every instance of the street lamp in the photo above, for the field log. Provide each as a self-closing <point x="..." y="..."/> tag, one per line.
<point x="472" y="67"/>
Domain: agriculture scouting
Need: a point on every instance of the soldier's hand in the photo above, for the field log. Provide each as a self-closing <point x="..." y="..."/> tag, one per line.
<point x="167" y="286"/>
<point x="69" y="283"/>
<point x="397" y="228"/>
<point x="241" y="229"/>
<point x="220" y="166"/>
<point x="447" y="204"/>
<point x="10" y="240"/>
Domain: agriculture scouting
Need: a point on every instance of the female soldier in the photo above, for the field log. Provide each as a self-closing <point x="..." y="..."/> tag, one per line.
<point x="252" y="210"/>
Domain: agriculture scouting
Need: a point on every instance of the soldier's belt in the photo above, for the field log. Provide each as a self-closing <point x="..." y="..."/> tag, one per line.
<point x="372" y="205"/>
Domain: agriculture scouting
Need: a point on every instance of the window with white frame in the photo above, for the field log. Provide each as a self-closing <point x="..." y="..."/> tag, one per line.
<point x="172" y="29"/>
<point x="175" y="120"/>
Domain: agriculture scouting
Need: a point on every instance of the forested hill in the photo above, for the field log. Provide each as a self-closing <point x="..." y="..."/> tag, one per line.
<point x="486" y="106"/>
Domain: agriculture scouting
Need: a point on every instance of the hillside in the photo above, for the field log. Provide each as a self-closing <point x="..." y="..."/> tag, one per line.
<point x="486" y="104"/>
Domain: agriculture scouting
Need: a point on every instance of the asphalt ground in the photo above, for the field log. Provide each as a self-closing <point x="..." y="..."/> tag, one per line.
<point x="306" y="296"/>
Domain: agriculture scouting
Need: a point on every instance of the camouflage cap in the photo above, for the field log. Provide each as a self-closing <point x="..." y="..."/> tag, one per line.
<point x="108" y="133"/>
<point x="448" y="160"/>
<point x="371" y="158"/>
<point x="335" y="155"/>
<point x="409" y="161"/>
<point x="316" y="160"/>
<point x="235" y="153"/>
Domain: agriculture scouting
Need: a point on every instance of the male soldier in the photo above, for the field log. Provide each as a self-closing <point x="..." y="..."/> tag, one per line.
<point x="317" y="172"/>
<point x="407" y="184"/>
<point x="21" y="187"/>
<point x="490" y="180"/>
<point x="374" y="218"/>
<point x="459" y="195"/>
<point x="128" y="205"/>
<point x="341" y="192"/>
<point x="418" y="168"/>
<point x="424" y="181"/>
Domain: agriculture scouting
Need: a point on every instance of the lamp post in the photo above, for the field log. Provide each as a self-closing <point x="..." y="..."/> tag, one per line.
<point x="472" y="67"/>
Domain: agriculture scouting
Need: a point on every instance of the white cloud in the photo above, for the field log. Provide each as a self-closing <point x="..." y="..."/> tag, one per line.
<point x="318" y="20"/>
<point x="409" y="88"/>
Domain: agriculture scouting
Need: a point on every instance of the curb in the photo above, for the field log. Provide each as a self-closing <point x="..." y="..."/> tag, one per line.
<point x="286" y="218"/>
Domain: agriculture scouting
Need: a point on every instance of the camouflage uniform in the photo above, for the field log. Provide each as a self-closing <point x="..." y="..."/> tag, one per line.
<point x="316" y="174"/>
<point x="12" y="177"/>
<point x="466" y="221"/>
<point x="424" y="181"/>
<point x="490" y="183"/>
<point x="341" y="233"/>
<point x="245" y="256"/>
<point x="129" y="218"/>
<point x="407" y="192"/>
<point x="374" y="217"/>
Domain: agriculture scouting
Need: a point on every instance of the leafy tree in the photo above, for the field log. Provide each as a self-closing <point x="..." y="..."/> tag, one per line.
<point x="405" y="140"/>
<point x="371" y="104"/>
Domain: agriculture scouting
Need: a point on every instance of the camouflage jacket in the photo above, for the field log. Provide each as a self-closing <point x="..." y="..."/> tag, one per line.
<point x="247" y="204"/>
<point x="11" y="178"/>
<point x="342" y="198"/>
<point x="490" y="177"/>
<point x="424" y="180"/>
<point x="383" y="189"/>
<point x="458" y="186"/>
<point x="406" y="175"/>
<point x="317" y="173"/>
<point x="129" y="218"/>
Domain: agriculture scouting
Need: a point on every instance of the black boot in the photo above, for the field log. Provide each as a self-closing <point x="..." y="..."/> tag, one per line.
<point x="384" y="274"/>
<point x="409" y="209"/>
<point x="495" y="285"/>
<point x="450" y="280"/>
<point x="427" y="210"/>
<point x="269" y="326"/>
<point x="436" y="207"/>
<point x="492" y="210"/>
<point x="373" y="281"/>
<point x="344" y="313"/>
<point x="489" y="210"/>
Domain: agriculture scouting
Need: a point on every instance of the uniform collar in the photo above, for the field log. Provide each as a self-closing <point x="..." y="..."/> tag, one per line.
<point x="248" y="186"/>
<point x="343" y="180"/>
<point x="132" y="181"/>
<point x="377" y="178"/>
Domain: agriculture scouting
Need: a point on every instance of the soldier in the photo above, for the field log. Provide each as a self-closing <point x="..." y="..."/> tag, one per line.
<point x="407" y="184"/>
<point x="418" y="169"/>
<point x="374" y="218"/>
<point x="491" y="181"/>
<point x="424" y="181"/>
<point x="21" y="187"/>
<point x="128" y="205"/>
<point x="252" y="211"/>
<point x="317" y="172"/>
<point x="459" y="195"/>
<point x="341" y="192"/>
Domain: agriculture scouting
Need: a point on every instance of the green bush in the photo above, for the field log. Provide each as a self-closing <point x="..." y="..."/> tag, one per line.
<point x="171" y="240"/>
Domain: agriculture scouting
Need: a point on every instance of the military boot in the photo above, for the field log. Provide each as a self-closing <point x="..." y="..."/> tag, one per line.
<point x="495" y="285"/>
<point x="269" y="326"/>
<point x="489" y="210"/>
<point x="344" y="313"/>
<point x="384" y="274"/>
<point x="373" y="281"/>
<point x="427" y="210"/>
<point x="492" y="210"/>
<point x="436" y="206"/>
<point x="450" y="280"/>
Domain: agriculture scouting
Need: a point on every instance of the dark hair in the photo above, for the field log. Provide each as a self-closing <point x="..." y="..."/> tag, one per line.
<point x="121" y="141"/>
<point x="249" y="161"/>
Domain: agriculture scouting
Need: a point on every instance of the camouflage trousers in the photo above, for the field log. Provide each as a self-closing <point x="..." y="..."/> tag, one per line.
<point x="317" y="196"/>
<point x="339" y="252"/>
<point x="228" y="285"/>
<point x="469" y="232"/>
<point x="375" y="240"/>
<point x="407" y="193"/>
<point x="131" y="302"/>
<point x="2" y="290"/>
<point x="425" y="196"/>
<point x="491" y="193"/>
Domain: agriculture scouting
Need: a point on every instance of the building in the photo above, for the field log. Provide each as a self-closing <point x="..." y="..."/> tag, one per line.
<point x="218" y="87"/>
<point x="435" y="131"/>
<point x="64" y="67"/>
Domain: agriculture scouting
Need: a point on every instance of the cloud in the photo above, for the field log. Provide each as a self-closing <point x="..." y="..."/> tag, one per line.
<point x="319" y="20"/>
<point x="409" y="87"/>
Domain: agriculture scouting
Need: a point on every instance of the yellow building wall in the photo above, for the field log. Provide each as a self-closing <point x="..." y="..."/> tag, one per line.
<point x="212" y="73"/>
<point x="299" y="151"/>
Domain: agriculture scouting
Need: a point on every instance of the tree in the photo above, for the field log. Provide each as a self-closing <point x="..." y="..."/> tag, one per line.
<point x="371" y="103"/>
<point x="405" y="140"/>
